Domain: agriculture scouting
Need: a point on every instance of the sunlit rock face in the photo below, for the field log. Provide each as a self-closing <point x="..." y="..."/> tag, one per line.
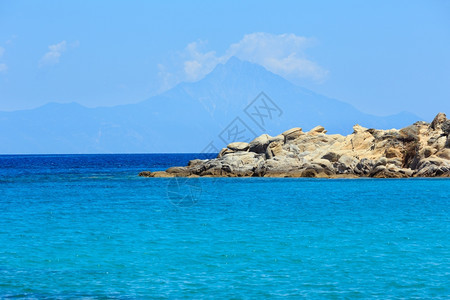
<point x="419" y="150"/>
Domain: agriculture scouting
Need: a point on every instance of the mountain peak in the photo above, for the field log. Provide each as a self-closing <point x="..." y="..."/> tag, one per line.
<point x="232" y="61"/>
<point x="181" y="119"/>
<point x="241" y="71"/>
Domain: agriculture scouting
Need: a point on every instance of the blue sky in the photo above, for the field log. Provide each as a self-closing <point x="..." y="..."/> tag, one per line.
<point x="381" y="56"/>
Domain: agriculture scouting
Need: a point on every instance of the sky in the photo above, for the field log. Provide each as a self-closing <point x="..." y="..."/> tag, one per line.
<point x="383" y="57"/>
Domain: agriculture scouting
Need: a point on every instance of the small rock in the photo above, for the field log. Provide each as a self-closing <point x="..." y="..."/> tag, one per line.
<point x="145" y="174"/>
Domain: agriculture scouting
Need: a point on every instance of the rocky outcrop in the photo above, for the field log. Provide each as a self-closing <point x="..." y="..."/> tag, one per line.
<point x="419" y="150"/>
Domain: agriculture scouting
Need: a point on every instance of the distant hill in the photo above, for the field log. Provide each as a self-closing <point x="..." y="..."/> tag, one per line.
<point x="187" y="118"/>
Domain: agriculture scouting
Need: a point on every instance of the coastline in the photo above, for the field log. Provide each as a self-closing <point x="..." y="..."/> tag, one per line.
<point x="419" y="150"/>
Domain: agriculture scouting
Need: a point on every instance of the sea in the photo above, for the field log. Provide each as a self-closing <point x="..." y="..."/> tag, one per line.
<point x="88" y="227"/>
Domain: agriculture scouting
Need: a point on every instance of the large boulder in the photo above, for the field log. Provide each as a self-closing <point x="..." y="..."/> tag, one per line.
<point x="432" y="166"/>
<point x="393" y="153"/>
<point x="389" y="172"/>
<point x="196" y="162"/>
<point x="345" y="164"/>
<point x="445" y="127"/>
<point x="274" y="149"/>
<point x="292" y="134"/>
<point x="325" y="166"/>
<point x="283" y="167"/>
<point x="332" y="156"/>
<point x="238" y="146"/>
<point x="179" y="171"/>
<point x="409" y="134"/>
<point x="259" y="144"/>
<point x="364" y="167"/>
<point x="317" y="130"/>
<point x="224" y="151"/>
<point x="444" y="154"/>
<point x="359" y="129"/>
<point x="438" y="121"/>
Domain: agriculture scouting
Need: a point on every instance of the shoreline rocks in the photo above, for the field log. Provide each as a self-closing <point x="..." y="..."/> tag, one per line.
<point x="419" y="150"/>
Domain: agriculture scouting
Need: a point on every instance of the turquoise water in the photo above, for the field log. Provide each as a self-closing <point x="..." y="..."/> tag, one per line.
<point x="87" y="226"/>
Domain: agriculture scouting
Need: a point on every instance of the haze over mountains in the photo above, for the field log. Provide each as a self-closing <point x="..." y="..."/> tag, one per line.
<point x="187" y="118"/>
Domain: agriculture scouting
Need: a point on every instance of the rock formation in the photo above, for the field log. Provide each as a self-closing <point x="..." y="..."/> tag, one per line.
<point x="419" y="150"/>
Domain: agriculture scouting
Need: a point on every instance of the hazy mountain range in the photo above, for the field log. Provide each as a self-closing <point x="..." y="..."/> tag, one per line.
<point x="186" y="118"/>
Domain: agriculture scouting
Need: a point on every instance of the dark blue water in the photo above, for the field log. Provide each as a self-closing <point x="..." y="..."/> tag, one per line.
<point x="87" y="226"/>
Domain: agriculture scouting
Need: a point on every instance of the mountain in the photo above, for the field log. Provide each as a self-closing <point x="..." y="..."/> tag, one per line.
<point x="236" y="97"/>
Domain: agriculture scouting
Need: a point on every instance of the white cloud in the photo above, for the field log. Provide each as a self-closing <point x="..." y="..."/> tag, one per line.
<point x="282" y="54"/>
<point x="54" y="54"/>
<point x="199" y="64"/>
